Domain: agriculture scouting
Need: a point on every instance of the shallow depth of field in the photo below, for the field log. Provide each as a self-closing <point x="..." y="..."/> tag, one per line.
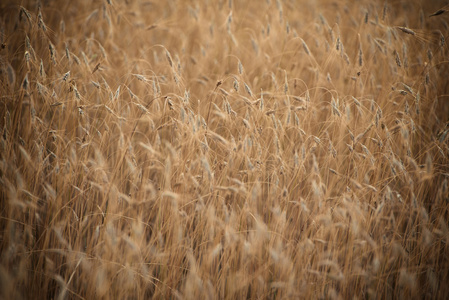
<point x="224" y="149"/>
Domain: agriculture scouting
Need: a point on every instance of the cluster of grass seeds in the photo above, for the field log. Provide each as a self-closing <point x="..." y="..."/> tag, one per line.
<point x="224" y="149"/>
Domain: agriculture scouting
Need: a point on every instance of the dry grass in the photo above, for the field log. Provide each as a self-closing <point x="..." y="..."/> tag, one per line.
<point x="234" y="149"/>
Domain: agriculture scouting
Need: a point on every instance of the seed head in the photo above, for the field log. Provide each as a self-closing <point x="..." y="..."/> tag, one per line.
<point x="66" y="76"/>
<point x="407" y="30"/>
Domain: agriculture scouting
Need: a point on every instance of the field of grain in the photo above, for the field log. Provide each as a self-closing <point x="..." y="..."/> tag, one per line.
<point x="224" y="149"/>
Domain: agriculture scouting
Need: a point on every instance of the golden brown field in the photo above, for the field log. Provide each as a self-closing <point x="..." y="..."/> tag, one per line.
<point x="227" y="149"/>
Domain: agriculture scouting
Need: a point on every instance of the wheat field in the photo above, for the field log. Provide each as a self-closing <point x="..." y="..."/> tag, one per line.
<point x="224" y="149"/>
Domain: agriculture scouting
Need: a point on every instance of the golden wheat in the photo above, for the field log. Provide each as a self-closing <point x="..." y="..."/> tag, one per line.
<point x="325" y="177"/>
